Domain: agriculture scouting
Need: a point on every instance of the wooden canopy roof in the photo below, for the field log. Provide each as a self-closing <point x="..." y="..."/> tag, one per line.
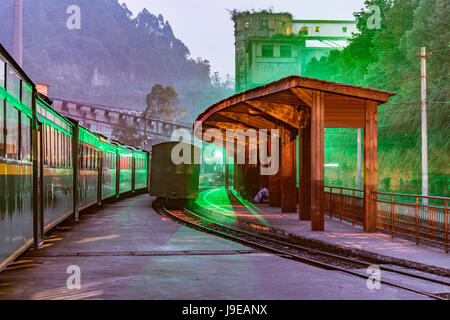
<point x="278" y="104"/>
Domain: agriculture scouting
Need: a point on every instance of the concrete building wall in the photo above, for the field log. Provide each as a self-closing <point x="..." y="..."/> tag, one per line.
<point x="256" y="29"/>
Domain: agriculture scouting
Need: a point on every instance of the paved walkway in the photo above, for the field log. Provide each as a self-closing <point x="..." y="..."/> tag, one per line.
<point x="336" y="232"/>
<point x="128" y="251"/>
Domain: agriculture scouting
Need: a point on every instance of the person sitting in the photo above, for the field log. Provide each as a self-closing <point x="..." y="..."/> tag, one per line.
<point x="262" y="196"/>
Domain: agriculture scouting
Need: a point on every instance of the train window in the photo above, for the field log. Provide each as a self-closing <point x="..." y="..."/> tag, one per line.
<point x="64" y="151"/>
<point x="12" y="83"/>
<point x="52" y="149"/>
<point x="68" y="153"/>
<point x="86" y="157"/>
<point x="26" y="95"/>
<point x="80" y="156"/>
<point x="25" y="127"/>
<point x="2" y="127"/>
<point x="12" y="132"/>
<point x="47" y="144"/>
<point x="61" y="149"/>
<point x="56" y="132"/>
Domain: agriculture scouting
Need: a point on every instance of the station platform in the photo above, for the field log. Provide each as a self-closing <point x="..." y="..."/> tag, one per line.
<point x="126" y="250"/>
<point x="337" y="234"/>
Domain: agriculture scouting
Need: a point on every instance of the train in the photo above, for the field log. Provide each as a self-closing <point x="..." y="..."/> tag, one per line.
<point x="174" y="185"/>
<point x="51" y="167"/>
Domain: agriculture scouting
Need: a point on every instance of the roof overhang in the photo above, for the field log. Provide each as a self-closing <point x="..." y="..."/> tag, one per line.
<point x="278" y="104"/>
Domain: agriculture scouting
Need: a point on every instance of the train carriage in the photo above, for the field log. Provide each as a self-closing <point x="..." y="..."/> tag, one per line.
<point x="175" y="184"/>
<point x="55" y="137"/>
<point x="88" y="168"/>
<point x="108" y="169"/>
<point x="125" y="169"/>
<point x="16" y="172"/>
<point x="140" y="167"/>
<point x="50" y="167"/>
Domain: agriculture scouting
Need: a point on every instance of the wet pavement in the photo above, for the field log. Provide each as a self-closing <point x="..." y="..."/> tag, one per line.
<point x="340" y="233"/>
<point x="128" y="251"/>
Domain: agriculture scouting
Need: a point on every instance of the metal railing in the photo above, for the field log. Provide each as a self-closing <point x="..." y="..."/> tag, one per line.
<point x="420" y="217"/>
<point x="345" y="203"/>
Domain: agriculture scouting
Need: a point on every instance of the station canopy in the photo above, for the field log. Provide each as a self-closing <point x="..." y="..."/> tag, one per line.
<point x="277" y="104"/>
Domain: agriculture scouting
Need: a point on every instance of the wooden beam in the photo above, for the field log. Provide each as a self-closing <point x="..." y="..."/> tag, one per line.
<point x="317" y="161"/>
<point x="370" y="167"/>
<point x="275" y="181"/>
<point x="303" y="94"/>
<point x="283" y="112"/>
<point x="288" y="174"/>
<point x="255" y="121"/>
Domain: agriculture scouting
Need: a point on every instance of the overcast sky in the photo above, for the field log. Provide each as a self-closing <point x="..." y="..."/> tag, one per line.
<point x="206" y="29"/>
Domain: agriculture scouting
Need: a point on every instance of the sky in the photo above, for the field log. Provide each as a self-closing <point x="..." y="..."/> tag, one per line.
<point x="206" y="29"/>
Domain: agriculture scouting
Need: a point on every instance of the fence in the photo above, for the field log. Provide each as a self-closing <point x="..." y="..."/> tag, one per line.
<point x="421" y="217"/>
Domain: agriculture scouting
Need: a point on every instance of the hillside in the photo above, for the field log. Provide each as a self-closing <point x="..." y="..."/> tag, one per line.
<point x="113" y="59"/>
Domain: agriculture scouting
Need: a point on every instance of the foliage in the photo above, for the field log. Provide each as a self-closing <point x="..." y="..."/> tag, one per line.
<point x="111" y="59"/>
<point x="387" y="59"/>
<point x="163" y="103"/>
<point x="127" y="133"/>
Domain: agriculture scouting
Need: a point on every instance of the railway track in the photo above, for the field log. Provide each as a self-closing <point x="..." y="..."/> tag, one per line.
<point x="314" y="257"/>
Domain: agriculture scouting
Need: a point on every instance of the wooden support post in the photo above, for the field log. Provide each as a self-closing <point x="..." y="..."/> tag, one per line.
<point x="370" y="167"/>
<point x="288" y="174"/>
<point x="227" y="172"/>
<point x="317" y="161"/>
<point x="305" y="165"/>
<point x="275" y="182"/>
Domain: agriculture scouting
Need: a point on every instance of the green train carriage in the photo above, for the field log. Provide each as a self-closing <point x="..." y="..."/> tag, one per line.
<point x="51" y="167"/>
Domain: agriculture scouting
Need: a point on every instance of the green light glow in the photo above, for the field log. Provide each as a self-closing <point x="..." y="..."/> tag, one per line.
<point x="139" y="155"/>
<point x="49" y="116"/>
<point x="15" y="102"/>
<point x="217" y="200"/>
<point x="124" y="151"/>
<point x="88" y="137"/>
<point x="106" y="147"/>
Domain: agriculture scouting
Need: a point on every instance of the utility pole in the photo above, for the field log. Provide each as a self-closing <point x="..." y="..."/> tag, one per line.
<point x="17" y="32"/>
<point x="423" y="70"/>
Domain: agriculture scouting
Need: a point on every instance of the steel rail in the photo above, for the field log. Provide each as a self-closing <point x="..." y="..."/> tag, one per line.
<point x="283" y="253"/>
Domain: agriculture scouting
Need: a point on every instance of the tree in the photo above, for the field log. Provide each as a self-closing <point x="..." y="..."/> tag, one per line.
<point x="127" y="134"/>
<point x="163" y="104"/>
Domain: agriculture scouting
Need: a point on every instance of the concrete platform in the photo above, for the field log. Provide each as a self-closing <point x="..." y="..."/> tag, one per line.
<point x="336" y="233"/>
<point x="128" y="251"/>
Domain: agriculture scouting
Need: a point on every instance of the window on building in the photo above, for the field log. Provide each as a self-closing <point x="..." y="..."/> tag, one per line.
<point x="267" y="51"/>
<point x="285" y="51"/>
<point x="264" y="23"/>
<point x="344" y="29"/>
<point x="246" y="24"/>
<point x="282" y="24"/>
<point x="317" y="29"/>
<point x="304" y="30"/>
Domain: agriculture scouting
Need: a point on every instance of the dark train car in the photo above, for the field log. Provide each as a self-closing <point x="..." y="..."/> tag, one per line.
<point x="175" y="183"/>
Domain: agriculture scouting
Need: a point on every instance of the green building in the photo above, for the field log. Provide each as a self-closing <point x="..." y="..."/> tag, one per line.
<point x="269" y="46"/>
